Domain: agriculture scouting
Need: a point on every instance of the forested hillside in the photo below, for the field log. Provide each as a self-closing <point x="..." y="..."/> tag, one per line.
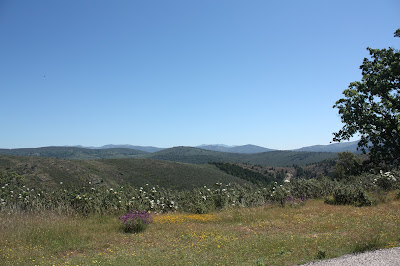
<point x="49" y="172"/>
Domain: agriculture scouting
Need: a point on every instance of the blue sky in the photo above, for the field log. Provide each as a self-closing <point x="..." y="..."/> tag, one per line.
<point x="169" y="73"/>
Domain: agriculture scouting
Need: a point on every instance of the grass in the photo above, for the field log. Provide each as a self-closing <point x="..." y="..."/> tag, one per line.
<point x="268" y="235"/>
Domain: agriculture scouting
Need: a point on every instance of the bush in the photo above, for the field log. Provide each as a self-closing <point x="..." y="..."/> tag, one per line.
<point x="135" y="221"/>
<point x="387" y="181"/>
<point x="279" y="194"/>
<point x="312" y="188"/>
<point x="350" y="195"/>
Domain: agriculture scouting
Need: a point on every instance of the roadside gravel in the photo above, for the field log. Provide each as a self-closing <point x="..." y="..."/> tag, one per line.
<point x="382" y="257"/>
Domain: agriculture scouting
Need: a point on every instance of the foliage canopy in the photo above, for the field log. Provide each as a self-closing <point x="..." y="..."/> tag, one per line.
<point x="371" y="107"/>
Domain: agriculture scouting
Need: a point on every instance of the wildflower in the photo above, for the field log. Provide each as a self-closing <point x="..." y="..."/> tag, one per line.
<point x="135" y="221"/>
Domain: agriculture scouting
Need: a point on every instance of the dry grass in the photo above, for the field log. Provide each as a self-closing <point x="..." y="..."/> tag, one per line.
<point x="268" y="235"/>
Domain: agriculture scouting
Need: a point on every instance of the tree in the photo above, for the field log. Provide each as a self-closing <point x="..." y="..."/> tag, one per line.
<point x="348" y="164"/>
<point x="371" y="107"/>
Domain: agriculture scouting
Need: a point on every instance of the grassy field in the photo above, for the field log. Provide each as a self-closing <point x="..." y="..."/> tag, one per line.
<point x="267" y="235"/>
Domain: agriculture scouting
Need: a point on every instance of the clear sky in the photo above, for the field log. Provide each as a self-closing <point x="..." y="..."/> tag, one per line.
<point x="169" y="73"/>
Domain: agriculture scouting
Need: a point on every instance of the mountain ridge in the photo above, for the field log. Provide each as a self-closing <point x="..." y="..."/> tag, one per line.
<point x="133" y="151"/>
<point x="248" y="148"/>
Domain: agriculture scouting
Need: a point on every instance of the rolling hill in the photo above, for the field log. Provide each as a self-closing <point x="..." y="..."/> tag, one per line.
<point x="74" y="152"/>
<point x="335" y="147"/>
<point x="271" y="158"/>
<point x="192" y="155"/>
<point x="49" y="172"/>
<point x="177" y="154"/>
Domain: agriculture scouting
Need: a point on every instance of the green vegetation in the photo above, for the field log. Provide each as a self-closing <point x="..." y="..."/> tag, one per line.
<point x="92" y="198"/>
<point x="271" y="158"/>
<point x="246" y="174"/>
<point x="177" y="154"/>
<point x="348" y="164"/>
<point x="267" y="235"/>
<point x="278" y="221"/>
<point x="371" y="107"/>
<point x="49" y="172"/>
<point x="74" y="153"/>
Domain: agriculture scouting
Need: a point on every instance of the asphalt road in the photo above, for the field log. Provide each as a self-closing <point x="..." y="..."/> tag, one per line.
<point x="382" y="257"/>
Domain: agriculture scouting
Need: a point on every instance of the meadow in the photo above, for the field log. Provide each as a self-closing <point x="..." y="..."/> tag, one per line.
<point x="287" y="223"/>
<point x="265" y="235"/>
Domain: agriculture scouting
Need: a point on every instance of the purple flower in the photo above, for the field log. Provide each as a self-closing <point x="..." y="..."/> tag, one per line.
<point x="135" y="221"/>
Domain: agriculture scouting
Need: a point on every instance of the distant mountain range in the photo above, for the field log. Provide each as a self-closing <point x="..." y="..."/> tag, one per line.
<point x="177" y="154"/>
<point x="189" y="155"/>
<point x="335" y="147"/>
<point x="235" y="149"/>
<point x="124" y="146"/>
<point x="249" y="148"/>
<point x="63" y="152"/>
<point x="198" y="155"/>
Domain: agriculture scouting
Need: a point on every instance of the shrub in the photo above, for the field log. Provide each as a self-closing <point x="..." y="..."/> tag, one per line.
<point x="311" y="188"/>
<point x="386" y="181"/>
<point x="350" y="195"/>
<point x="135" y="221"/>
<point x="279" y="194"/>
